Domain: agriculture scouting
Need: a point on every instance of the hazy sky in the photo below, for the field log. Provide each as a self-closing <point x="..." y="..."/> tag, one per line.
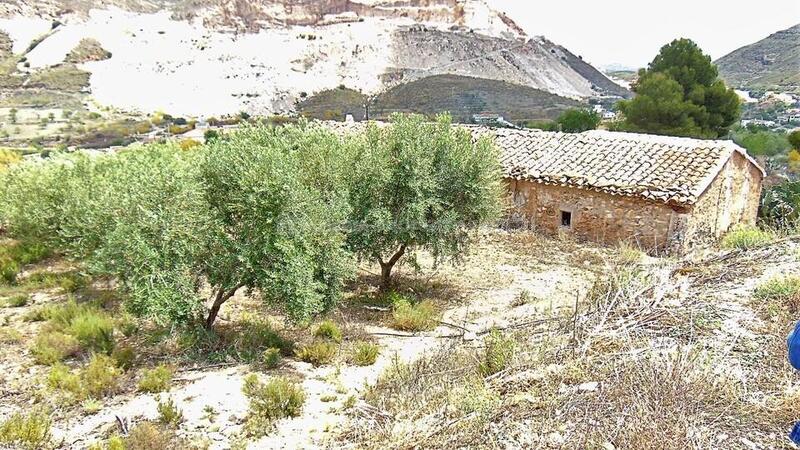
<point x="630" y="32"/>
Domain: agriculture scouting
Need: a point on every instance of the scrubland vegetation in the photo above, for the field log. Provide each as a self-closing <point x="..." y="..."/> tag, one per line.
<point x="290" y="262"/>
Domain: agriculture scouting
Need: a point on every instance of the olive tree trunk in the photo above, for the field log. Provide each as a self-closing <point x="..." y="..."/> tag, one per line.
<point x="386" y="268"/>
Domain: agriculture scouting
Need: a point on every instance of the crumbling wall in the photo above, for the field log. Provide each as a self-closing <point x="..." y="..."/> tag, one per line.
<point x="731" y="199"/>
<point x="596" y="216"/>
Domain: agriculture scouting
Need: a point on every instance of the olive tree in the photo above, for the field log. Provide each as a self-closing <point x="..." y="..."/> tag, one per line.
<point x="282" y="232"/>
<point x="419" y="185"/>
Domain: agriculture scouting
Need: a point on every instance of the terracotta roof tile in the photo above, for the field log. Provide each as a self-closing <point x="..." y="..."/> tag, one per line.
<point x="661" y="168"/>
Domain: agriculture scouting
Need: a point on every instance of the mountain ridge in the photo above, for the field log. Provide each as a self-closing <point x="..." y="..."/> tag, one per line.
<point x="771" y="63"/>
<point x="265" y="56"/>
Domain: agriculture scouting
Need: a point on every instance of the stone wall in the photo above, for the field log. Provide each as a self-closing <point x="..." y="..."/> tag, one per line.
<point x="731" y="199"/>
<point x="595" y="216"/>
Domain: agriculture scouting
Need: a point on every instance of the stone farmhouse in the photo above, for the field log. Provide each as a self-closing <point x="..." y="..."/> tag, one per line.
<point x="662" y="194"/>
<point x="659" y="193"/>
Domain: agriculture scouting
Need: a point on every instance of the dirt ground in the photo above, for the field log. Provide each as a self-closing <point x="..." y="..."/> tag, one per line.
<point x="508" y="281"/>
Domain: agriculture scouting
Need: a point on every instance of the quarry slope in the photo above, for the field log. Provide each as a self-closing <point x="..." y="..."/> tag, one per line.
<point x="222" y="57"/>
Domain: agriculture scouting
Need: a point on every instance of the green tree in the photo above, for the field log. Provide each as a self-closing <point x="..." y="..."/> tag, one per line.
<point x="576" y="120"/>
<point x="416" y="184"/>
<point x="680" y="93"/>
<point x="794" y="139"/>
<point x="761" y="141"/>
<point x="282" y="209"/>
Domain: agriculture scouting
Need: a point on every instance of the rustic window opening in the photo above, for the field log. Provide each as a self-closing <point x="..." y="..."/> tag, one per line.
<point x="566" y="219"/>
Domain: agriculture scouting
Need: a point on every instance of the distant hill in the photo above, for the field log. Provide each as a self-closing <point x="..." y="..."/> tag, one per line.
<point x="216" y="57"/>
<point x="461" y="96"/>
<point x="771" y="63"/>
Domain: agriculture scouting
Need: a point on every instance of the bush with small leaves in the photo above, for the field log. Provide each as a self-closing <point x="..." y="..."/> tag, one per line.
<point x="17" y="301"/>
<point x="276" y="399"/>
<point x="101" y="376"/>
<point x="150" y="436"/>
<point x="9" y="335"/>
<point x="318" y="352"/>
<point x="115" y="442"/>
<point x="123" y="357"/>
<point x="158" y="379"/>
<point x="523" y="298"/>
<point x="406" y="316"/>
<point x="91" y="406"/>
<point x="50" y="347"/>
<point x="60" y="378"/>
<point x="94" y="330"/>
<point x="365" y="353"/>
<point x="746" y="238"/>
<point x="785" y="291"/>
<point x="271" y="358"/>
<point x="27" y="431"/>
<point x="328" y="330"/>
<point x="498" y="351"/>
<point x="256" y="335"/>
<point x="168" y="413"/>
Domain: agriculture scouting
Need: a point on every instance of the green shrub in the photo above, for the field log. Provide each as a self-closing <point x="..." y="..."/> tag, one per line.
<point x="271" y="358"/>
<point x="523" y="298"/>
<point x="123" y="357"/>
<point x="746" y="237"/>
<point x="50" y="347"/>
<point x="127" y="325"/>
<point x="91" y="406"/>
<point x="365" y="353"/>
<point x="94" y="330"/>
<point x="9" y="335"/>
<point x="783" y="290"/>
<point x="61" y="378"/>
<point x="149" y="436"/>
<point x="158" y="379"/>
<point x="317" y="352"/>
<point x="498" y="351"/>
<point x="8" y="271"/>
<point x="328" y="330"/>
<point x="17" y="301"/>
<point x="258" y="335"/>
<point x="406" y="316"/>
<point x="168" y="413"/>
<point x="101" y="376"/>
<point x="14" y="255"/>
<point x="28" y="431"/>
<point x="276" y="399"/>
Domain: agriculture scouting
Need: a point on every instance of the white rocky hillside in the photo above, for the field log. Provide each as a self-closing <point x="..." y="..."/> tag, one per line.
<point x="211" y="58"/>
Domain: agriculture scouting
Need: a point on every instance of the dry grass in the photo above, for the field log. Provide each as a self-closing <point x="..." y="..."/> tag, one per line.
<point x="602" y="378"/>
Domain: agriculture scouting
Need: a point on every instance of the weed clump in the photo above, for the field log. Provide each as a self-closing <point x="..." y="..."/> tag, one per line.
<point x="276" y="399"/>
<point x="317" y="352"/>
<point x="271" y="358"/>
<point x="497" y="354"/>
<point x="328" y="330"/>
<point x="158" y="379"/>
<point x="28" y="431"/>
<point x="124" y="357"/>
<point x="50" y="347"/>
<point x="9" y="335"/>
<point x="365" y="353"/>
<point x="17" y="301"/>
<point x="168" y="413"/>
<point x="746" y="238"/>
<point x="414" y="317"/>
<point x="101" y="376"/>
<point x="94" y="330"/>
<point x="782" y="290"/>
